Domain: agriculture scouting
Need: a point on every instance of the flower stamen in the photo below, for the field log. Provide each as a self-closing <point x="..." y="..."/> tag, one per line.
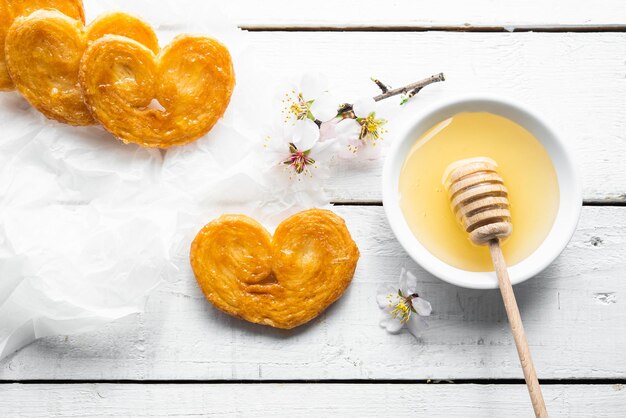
<point x="296" y="106"/>
<point x="403" y="306"/>
<point x="371" y="128"/>
<point x="298" y="160"/>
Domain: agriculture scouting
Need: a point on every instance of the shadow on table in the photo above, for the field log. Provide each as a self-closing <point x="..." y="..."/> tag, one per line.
<point x="277" y="333"/>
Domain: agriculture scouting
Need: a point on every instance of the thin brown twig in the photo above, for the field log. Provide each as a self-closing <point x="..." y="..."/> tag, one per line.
<point x="382" y="86"/>
<point x="411" y="87"/>
<point x="413" y="92"/>
<point x="346" y="109"/>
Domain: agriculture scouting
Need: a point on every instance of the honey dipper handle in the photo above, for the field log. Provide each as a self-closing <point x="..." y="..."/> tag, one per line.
<point x="517" y="328"/>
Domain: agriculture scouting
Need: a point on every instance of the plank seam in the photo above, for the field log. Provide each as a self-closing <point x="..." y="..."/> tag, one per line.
<point x="604" y="203"/>
<point x="484" y="29"/>
<point x="599" y="381"/>
<point x="607" y="203"/>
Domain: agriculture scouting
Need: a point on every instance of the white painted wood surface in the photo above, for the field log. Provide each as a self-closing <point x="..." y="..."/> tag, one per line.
<point x="301" y="400"/>
<point x="573" y="313"/>
<point x="444" y="14"/>
<point x="575" y="80"/>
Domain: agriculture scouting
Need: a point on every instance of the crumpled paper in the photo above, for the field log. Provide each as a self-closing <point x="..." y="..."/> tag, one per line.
<point x="89" y="226"/>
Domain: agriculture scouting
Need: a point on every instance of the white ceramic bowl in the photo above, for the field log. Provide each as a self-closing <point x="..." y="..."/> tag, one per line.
<point x="569" y="187"/>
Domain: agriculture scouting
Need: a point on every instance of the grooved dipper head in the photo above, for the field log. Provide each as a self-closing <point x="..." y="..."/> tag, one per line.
<point x="479" y="199"/>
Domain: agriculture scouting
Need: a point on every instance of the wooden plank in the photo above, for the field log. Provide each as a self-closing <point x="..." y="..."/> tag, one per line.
<point x="303" y="400"/>
<point x="574" y="314"/>
<point x="446" y="14"/>
<point x="576" y="81"/>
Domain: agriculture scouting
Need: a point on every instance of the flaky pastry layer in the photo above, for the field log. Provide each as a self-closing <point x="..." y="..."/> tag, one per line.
<point x="43" y="54"/>
<point x="282" y="281"/>
<point x="171" y="98"/>
<point x="12" y="9"/>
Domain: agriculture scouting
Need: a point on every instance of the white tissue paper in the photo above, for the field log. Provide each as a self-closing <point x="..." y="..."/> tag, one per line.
<point x="89" y="225"/>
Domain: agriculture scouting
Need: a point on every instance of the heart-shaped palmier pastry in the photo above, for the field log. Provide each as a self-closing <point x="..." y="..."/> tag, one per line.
<point x="12" y="9"/>
<point x="281" y="281"/>
<point x="43" y="53"/>
<point x="171" y="98"/>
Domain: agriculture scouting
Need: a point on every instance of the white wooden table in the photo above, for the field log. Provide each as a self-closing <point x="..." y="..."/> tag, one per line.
<point x="566" y="59"/>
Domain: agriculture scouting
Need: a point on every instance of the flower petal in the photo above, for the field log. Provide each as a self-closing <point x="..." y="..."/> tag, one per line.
<point x="288" y="95"/>
<point x="324" y="107"/>
<point x="369" y="151"/>
<point x="384" y="318"/>
<point x="327" y="129"/>
<point x="348" y="152"/>
<point x="363" y="107"/>
<point x="313" y="85"/>
<point x="402" y="281"/>
<point x="347" y="130"/>
<point x="415" y="325"/>
<point x="275" y="138"/>
<point x="422" y="306"/>
<point x="391" y="324"/>
<point x="304" y="134"/>
<point x="410" y="283"/>
<point x="383" y="292"/>
<point x="279" y="176"/>
<point x="323" y="152"/>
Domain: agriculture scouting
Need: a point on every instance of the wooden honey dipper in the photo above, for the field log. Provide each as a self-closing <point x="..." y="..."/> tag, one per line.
<point x="480" y="202"/>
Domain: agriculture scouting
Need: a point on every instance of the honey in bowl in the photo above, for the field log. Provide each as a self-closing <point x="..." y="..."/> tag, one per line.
<point x="524" y="165"/>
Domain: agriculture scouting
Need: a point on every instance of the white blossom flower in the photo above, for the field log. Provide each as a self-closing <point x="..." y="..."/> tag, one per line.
<point x="297" y="152"/>
<point x="361" y="136"/>
<point x="309" y="100"/>
<point x="402" y="306"/>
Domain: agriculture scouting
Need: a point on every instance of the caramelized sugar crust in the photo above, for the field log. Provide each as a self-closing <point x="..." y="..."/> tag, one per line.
<point x="171" y="98"/>
<point x="43" y="54"/>
<point x="12" y="9"/>
<point x="282" y="281"/>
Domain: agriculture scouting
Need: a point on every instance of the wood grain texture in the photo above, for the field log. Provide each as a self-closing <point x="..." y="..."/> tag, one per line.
<point x="577" y="82"/>
<point x="573" y="313"/>
<point x="446" y="14"/>
<point x="517" y="329"/>
<point x="305" y="400"/>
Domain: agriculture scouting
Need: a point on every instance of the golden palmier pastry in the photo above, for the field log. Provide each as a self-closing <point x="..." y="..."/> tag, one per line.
<point x="5" y="22"/>
<point x="284" y="281"/>
<point x="171" y="98"/>
<point x="43" y="52"/>
<point x="11" y="9"/>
